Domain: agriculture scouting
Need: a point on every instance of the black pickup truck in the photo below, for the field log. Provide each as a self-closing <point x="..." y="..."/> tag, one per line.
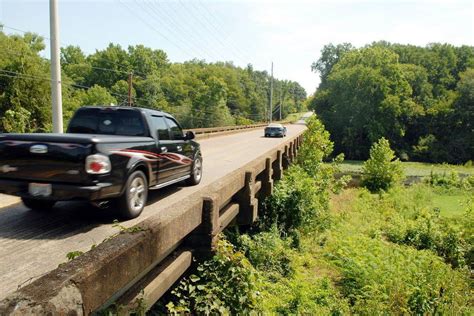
<point x="108" y="154"/>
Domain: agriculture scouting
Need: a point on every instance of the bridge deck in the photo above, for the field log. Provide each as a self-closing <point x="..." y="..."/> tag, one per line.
<point x="32" y="244"/>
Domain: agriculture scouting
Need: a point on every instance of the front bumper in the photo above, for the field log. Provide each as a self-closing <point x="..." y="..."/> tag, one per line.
<point x="62" y="192"/>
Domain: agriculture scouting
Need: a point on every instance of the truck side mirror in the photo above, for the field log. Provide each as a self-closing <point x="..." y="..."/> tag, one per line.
<point x="189" y="135"/>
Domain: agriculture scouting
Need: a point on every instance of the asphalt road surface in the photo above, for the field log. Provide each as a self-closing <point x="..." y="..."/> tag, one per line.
<point x="34" y="243"/>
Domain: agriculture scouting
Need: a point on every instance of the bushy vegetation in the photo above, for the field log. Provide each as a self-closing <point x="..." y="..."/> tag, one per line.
<point x="382" y="170"/>
<point x="451" y="180"/>
<point x="198" y="93"/>
<point x="296" y="192"/>
<point x="224" y="284"/>
<point x="419" y="98"/>
<point x="316" y="252"/>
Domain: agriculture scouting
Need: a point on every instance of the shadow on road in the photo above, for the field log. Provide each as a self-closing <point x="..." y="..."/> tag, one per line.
<point x="65" y="219"/>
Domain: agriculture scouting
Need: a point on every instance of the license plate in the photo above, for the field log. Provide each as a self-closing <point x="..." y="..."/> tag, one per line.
<point x="39" y="189"/>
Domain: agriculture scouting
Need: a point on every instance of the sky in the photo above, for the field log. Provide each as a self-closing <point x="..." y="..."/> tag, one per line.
<point x="288" y="33"/>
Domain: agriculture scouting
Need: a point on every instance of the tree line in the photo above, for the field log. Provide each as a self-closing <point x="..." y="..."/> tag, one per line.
<point x="198" y="93"/>
<point x="420" y="98"/>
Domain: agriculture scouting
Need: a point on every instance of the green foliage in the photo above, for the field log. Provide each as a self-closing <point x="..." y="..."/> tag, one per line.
<point x="391" y="279"/>
<point x="411" y="219"/>
<point x="73" y="254"/>
<point x="286" y="278"/>
<point x="382" y="171"/>
<point x="306" y="186"/>
<point x="268" y="252"/>
<point x="96" y="95"/>
<point x="25" y="96"/>
<point x="419" y="98"/>
<point x="389" y="249"/>
<point x="16" y="120"/>
<point x="124" y="230"/>
<point x="200" y="94"/>
<point x="451" y="180"/>
<point x="297" y="192"/>
<point x="224" y="284"/>
<point x="316" y="146"/>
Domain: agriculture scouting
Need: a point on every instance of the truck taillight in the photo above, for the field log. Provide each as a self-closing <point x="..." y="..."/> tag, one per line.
<point x="98" y="164"/>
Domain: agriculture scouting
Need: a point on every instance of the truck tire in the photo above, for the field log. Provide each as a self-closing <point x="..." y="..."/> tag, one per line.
<point x="38" y="205"/>
<point x="133" y="200"/>
<point x="196" y="172"/>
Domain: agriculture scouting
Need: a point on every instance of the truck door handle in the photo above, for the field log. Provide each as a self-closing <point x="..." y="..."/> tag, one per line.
<point x="179" y="148"/>
<point x="164" y="149"/>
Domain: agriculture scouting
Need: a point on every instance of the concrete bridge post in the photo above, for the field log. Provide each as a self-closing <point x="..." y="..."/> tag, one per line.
<point x="267" y="179"/>
<point x="278" y="166"/>
<point x="286" y="158"/>
<point x="248" y="204"/>
<point x="291" y="154"/>
<point x="204" y="238"/>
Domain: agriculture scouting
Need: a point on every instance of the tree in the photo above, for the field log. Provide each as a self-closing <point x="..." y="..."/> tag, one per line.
<point x="330" y="55"/>
<point x="367" y="96"/>
<point x="406" y="93"/>
<point x="24" y="84"/>
<point x="96" y="95"/>
<point x="74" y="64"/>
<point x="381" y="171"/>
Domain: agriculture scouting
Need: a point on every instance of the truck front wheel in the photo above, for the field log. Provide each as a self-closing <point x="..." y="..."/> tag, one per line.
<point x="38" y="205"/>
<point x="133" y="200"/>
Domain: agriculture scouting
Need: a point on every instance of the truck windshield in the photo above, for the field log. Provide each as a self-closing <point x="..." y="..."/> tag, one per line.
<point x="108" y="121"/>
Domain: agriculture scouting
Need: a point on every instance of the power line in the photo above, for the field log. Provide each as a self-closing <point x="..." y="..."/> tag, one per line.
<point x="220" y="30"/>
<point x="14" y="74"/>
<point x="194" y="30"/>
<point x="194" y="112"/>
<point x="154" y="29"/>
<point x="152" y="15"/>
<point x="177" y="26"/>
<point x="197" y="18"/>
<point x="93" y="67"/>
<point x="220" y="26"/>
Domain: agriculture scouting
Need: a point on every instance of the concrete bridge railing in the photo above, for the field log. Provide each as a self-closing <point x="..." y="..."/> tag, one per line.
<point x="207" y="132"/>
<point x="141" y="264"/>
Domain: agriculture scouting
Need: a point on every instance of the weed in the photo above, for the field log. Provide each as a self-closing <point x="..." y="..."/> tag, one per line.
<point x="73" y="255"/>
<point x="123" y="229"/>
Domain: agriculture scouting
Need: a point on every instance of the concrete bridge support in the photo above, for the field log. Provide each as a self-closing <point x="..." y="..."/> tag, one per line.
<point x="248" y="204"/>
<point x="266" y="178"/>
<point x="277" y="166"/>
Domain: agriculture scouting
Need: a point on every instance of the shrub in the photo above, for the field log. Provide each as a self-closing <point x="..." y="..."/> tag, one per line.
<point x="301" y="198"/>
<point x="268" y="252"/>
<point x="379" y="277"/>
<point x="224" y="284"/>
<point x="451" y="181"/>
<point x="381" y="171"/>
<point x="296" y="202"/>
<point x="405" y="216"/>
<point x="389" y="250"/>
<point x="316" y="147"/>
<point x="286" y="277"/>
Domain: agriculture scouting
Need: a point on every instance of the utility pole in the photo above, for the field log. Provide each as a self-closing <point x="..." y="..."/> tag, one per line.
<point x="281" y="102"/>
<point x="56" y="96"/>
<point x="271" y="95"/>
<point x="130" y="78"/>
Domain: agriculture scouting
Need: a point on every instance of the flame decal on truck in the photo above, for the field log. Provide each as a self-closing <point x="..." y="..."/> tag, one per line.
<point x="153" y="157"/>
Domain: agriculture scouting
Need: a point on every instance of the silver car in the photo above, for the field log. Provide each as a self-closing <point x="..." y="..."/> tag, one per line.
<point x="275" y="130"/>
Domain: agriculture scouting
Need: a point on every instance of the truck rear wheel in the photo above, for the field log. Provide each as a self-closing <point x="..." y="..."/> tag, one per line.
<point x="38" y="205"/>
<point x="133" y="200"/>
